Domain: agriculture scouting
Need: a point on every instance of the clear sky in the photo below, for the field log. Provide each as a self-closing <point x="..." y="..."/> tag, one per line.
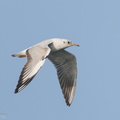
<point x="94" y="25"/>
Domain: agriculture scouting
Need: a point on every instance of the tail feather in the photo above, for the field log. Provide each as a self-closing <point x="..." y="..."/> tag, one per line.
<point x="13" y="55"/>
<point x="20" y="54"/>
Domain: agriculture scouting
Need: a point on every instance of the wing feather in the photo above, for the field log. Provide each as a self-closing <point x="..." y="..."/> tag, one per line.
<point x="66" y="66"/>
<point x="35" y="59"/>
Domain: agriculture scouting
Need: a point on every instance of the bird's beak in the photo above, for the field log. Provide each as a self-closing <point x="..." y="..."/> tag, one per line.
<point x="74" y="45"/>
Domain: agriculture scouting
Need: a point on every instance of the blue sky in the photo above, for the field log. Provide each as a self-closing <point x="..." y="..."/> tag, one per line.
<point x="95" y="25"/>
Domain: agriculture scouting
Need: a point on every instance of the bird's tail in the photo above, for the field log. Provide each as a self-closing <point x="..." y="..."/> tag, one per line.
<point x="20" y="54"/>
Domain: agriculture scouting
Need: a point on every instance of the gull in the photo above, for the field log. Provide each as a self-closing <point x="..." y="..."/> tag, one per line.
<point x="64" y="62"/>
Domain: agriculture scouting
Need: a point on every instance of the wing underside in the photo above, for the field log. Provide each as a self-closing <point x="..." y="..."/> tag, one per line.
<point x="65" y="64"/>
<point x="35" y="59"/>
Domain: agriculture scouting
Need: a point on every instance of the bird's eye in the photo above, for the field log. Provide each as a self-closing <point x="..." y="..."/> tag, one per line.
<point x="68" y="42"/>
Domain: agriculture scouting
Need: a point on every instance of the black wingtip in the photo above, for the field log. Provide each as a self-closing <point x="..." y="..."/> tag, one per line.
<point x="68" y="104"/>
<point x="16" y="91"/>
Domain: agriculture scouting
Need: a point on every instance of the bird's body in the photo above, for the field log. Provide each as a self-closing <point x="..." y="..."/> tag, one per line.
<point x="65" y="63"/>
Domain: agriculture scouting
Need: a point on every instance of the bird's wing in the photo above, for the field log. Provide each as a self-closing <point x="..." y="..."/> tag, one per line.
<point x="35" y="59"/>
<point x="66" y="66"/>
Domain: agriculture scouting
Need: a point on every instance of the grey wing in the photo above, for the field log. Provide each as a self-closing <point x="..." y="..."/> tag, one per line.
<point x="35" y="59"/>
<point x="66" y="66"/>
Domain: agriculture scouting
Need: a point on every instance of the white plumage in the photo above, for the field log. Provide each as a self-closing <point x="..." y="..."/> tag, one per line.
<point x="65" y="63"/>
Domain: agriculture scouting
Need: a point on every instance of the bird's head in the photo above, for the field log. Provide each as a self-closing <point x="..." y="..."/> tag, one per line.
<point x="62" y="43"/>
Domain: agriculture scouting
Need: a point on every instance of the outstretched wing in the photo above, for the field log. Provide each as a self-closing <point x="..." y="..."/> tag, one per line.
<point x="35" y="59"/>
<point x="66" y="66"/>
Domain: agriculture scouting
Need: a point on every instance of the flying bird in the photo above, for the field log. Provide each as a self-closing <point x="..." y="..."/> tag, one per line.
<point x="64" y="62"/>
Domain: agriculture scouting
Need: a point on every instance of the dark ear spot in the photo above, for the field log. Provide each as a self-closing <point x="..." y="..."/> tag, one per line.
<point x="63" y="41"/>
